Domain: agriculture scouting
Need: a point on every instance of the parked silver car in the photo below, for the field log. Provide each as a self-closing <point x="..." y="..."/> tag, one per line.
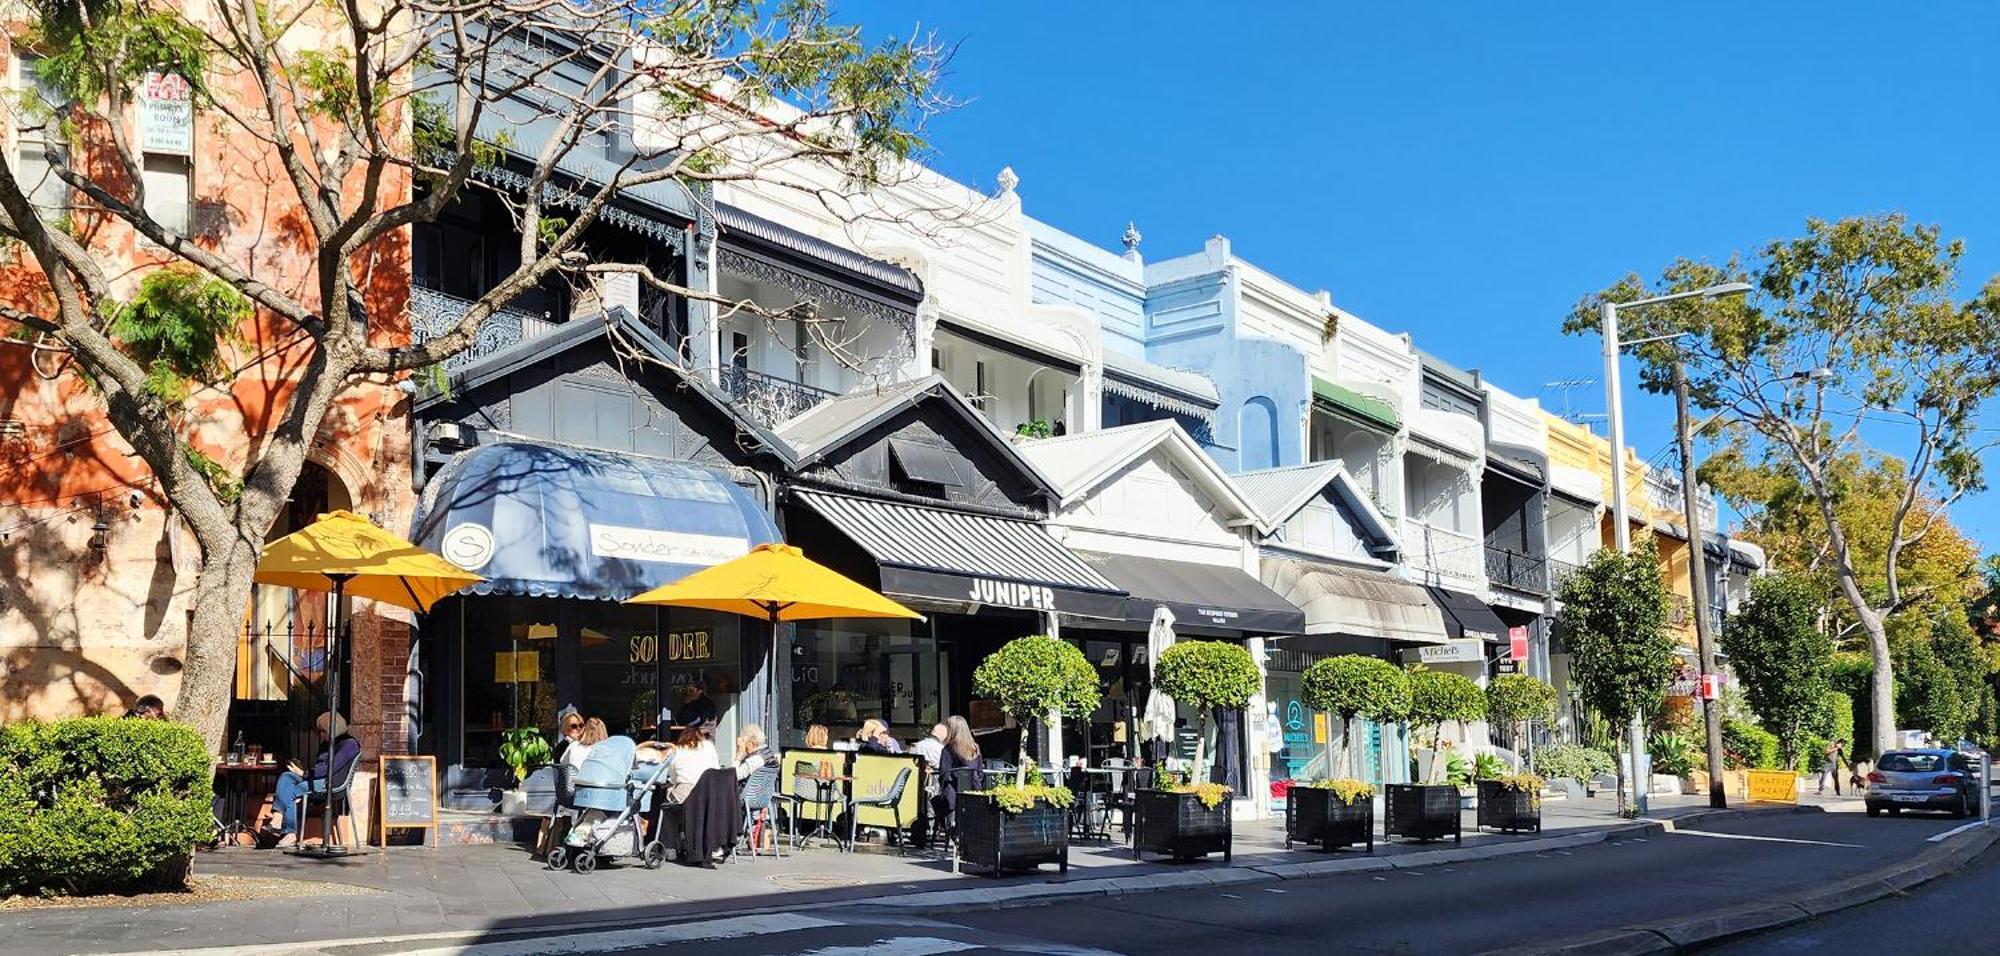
<point x="1924" y="779"/>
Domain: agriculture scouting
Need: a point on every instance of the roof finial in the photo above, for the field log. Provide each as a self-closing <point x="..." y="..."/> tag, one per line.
<point x="1131" y="239"/>
<point x="1007" y="180"/>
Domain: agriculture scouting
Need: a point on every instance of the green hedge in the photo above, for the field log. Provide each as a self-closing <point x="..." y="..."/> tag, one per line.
<point x="1573" y="761"/>
<point x="1746" y="745"/>
<point x="100" y="804"/>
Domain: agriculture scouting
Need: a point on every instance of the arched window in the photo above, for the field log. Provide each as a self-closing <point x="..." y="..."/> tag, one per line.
<point x="1257" y="434"/>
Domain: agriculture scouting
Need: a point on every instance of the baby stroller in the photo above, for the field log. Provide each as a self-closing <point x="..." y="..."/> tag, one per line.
<point x="611" y="796"/>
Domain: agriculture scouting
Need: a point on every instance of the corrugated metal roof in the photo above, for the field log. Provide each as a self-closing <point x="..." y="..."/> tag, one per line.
<point x="1369" y="410"/>
<point x="955" y="542"/>
<point x="828" y="422"/>
<point x="1278" y="492"/>
<point x="1070" y="461"/>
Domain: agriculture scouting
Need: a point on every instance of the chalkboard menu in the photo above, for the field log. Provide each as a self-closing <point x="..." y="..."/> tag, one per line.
<point x="409" y="794"/>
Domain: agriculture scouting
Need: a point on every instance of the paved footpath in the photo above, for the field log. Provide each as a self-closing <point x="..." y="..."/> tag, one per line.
<point x="492" y="892"/>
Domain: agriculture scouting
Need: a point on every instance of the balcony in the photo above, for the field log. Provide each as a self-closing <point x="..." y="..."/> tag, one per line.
<point x="1560" y="571"/>
<point x="433" y="313"/>
<point x="1512" y="569"/>
<point x="1448" y="555"/>
<point x="767" y="399"/>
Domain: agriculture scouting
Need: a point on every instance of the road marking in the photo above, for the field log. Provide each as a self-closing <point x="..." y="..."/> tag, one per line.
<point x="896" y="946"/>
<point x="1954" y="831"/>
<point x="732" y="928"/>
<point x="1272" y="889"/>
<point x="1765" y="839"/>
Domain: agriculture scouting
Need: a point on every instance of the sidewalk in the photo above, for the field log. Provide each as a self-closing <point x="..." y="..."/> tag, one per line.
<point x="413" y="890"/>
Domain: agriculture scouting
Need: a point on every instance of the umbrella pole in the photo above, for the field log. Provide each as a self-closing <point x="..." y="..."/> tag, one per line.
<point x="332" y="664"/>
<point x="771" y="681"/>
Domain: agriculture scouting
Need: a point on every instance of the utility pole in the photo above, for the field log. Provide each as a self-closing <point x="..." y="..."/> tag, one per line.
<point x="1621" y="532"/>
<point x="1704" y="641"/>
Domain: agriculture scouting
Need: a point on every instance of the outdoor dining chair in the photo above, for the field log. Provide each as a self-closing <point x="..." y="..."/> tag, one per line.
<point x="338" y="792"/>
<point x="809" y="790"/>
<point x="891" y="800"/>
<point x="760" y="793"/>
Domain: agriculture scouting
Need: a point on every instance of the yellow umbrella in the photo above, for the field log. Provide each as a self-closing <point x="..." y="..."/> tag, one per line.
<point x="776" y="582"/>
<point x="345" y="553"/>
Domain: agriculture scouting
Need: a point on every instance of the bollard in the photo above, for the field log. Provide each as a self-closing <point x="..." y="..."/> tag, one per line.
<point x="1986" y="788"/>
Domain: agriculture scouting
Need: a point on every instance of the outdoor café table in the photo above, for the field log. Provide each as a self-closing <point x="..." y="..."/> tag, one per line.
<point x="240" y="785"/>
<point x="1095" y="803"/>
<point x="824" y="796"/>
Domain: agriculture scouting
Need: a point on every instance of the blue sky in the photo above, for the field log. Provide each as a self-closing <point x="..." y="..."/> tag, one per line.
<point x="1466" y="172"/>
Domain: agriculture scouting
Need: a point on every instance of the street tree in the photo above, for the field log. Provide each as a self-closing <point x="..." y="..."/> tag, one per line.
<point x="1783" y="658"/>
<point x="1517" y="702"/>
<point x="1206" y="675"/>
<point x="1441" y="697"/>
<point x="1614" y="621"/>
<point x="1354" y="685"/>
<point x="1034" y="678"/>
<point x="1856" y="327"/>
<point x="368" y="118"/>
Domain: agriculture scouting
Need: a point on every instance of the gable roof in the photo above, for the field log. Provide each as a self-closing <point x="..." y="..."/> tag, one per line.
<point x="831" y="424"/>
<point x="1280" y="492"/>
<point x="487" y="369"/>
<point x="1080" y="463"/>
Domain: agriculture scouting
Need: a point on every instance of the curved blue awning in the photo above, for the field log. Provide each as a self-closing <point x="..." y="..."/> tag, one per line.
<point x="549" y="521"/>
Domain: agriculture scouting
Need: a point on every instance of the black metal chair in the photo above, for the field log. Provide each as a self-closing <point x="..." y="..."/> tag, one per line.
<point x="1126" y="798"/>
<point x="891" y="799"/>
<point x="808" y="788"/>
<point x="760" y="793"/>
<point x="340" y="786"/>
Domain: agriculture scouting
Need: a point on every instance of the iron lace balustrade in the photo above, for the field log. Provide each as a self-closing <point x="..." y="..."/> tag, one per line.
<point x="1560" y="571"/>
<point x="1512" y="569"/>
<point x="770" y="400"/>
<point x="433" y="313"/>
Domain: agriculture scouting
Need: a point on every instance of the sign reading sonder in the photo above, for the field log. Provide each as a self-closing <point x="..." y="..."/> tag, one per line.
<point x="666" y="547"/>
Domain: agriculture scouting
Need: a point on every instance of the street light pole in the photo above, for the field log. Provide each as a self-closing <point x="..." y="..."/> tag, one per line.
<point x="1704" y="641"/>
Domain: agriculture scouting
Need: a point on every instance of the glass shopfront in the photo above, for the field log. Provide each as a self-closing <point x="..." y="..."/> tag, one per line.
<point x="847" y="671"/>
<point x="1311" y="739"/>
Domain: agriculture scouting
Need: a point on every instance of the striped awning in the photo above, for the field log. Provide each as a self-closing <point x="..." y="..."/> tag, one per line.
<point x="940" y="554"/>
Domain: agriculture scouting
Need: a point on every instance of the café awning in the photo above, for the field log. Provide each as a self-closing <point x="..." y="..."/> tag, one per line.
<point x="1356" y="602"/>
<point x="545" y="520"/>
<point x="1200" y="595"/>
<point x="1467" y="616"/>
<point x="961" y="557"/>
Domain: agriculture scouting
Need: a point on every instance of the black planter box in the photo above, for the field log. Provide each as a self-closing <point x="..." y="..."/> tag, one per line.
<point x="1177" y="825"/>
<point x="1503" y="808"/>
<point x="993" y="838"/>
<point x="1421" y="811"/>
<point x="1317" y="816"/>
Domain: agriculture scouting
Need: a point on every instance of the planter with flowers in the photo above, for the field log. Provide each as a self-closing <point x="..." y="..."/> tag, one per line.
<point x="1189" y="819"/>
<point x="1512" y="802"/>
<point x="1331" y="813"/>
<point x="1430" y="809"/>
<point x="1024" y="823"/>
<point x="1341" y="811"/>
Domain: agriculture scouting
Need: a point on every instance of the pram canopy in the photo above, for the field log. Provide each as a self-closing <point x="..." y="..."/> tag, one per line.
<point x="600" y="782"/>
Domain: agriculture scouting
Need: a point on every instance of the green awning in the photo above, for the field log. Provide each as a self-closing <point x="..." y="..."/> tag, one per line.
<point x="1346" y="401"/>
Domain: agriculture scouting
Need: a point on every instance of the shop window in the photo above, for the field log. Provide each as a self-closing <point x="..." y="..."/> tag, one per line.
<point x="37" y="139"/>
<point x="169" y="191"/>
<point x="844" y="672"/>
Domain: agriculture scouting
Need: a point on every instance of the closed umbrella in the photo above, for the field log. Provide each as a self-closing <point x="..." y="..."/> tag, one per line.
<point x="775" y="582"/>
<point x="1159" y="719"/>
<point x="345" y="553"/>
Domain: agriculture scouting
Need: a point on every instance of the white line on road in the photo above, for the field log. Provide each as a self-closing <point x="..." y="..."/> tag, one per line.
<point x="1764" y="839"/>
<point x="1954" y="831"/>
<point x="896" y="946"/>
<point x="732" y="928"/>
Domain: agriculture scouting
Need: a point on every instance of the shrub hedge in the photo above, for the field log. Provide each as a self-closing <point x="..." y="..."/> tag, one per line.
<point x="1746" y="745"/>
<point x="1573" y="761"/>
<point x="100" y="805"/>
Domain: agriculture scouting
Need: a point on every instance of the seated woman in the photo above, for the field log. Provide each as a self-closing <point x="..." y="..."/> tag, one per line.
<point x="335" y="755"/>
<point x="591" y="732"/>
<point x="753" y="752"/>
<point x="874" y="738"/>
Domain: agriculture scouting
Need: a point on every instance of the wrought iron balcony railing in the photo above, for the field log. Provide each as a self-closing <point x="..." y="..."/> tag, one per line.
<point x="1560" y="571"/>
<point x="1446" y="554"/>
<point x="433" y="313"/>
<point x="1512" y="569"/>
<point x="768" y="399"/>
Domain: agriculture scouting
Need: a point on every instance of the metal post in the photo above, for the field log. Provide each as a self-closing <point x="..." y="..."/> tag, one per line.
<point x="1621" y="531"/>
<point x="1711" y="715"/>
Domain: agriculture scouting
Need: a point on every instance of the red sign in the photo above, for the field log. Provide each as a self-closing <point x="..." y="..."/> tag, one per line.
<point x="1711" y="687"/>
<point x="1517" y="637"/>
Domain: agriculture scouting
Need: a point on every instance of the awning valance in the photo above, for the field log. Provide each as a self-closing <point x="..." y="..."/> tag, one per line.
<point x="941" y="554"/>
<point x="1356" y="602"/>
<point x="1200" y="595"/>
<point x="1362" y="409"/>
<point x="1467" y="616"/>
<point x="1168" y="389"/>
<point x="555" y="521"/>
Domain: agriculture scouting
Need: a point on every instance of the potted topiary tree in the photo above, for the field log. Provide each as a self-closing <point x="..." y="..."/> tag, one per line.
<point x="1429" y="809"/>
<point x="1025" y="823"/>
<point x="1511" y="802"/>
<point x="1517" y="702"/>
<point x="1190" y="819"/>
<point x="524" y="750"/>
<point x="1341" y="811"/>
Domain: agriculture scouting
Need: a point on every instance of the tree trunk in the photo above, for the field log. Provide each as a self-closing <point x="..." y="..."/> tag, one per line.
<point x="1021" y="759"/>
<point x="1200" y="773"/>
<point x="1618" y="768"/>
<point x="222" y="595"/>
<point x="1882" y="683"/>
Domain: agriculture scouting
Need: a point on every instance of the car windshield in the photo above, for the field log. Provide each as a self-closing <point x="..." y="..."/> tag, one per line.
<point x="1911" y="763"/>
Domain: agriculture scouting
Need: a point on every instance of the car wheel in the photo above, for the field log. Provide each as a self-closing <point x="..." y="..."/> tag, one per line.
<point x="1874" y="811"/>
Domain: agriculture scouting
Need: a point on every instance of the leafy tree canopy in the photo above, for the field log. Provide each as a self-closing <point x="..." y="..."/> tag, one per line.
<point x="1032" y="677"/>
<point x="1519" y="698"/>
<point x="1207" y="674"/>
<point x="1439" y="697"/>
<point x="1614" y="620"/>
<point x="1782" y="657"/>
<point x="1352" y="685"/>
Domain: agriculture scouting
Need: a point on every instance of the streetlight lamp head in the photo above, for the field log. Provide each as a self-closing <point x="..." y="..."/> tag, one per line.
<point x="1726" y="288"/>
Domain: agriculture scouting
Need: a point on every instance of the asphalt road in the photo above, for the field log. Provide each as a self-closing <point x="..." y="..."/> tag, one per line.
<point x="1462" y="908"/>
<point x="1952" y="915"/>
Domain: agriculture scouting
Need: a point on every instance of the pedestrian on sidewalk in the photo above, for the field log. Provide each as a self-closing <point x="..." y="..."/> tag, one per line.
<point x="1833" y="765"/>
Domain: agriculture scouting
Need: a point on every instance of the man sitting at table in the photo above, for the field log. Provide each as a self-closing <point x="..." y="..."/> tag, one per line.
<point x="335" y="755"/>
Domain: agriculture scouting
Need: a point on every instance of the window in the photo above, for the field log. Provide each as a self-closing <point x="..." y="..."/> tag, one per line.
<point x="739" y="351"/>
<point x="168" y="194"/>
<point x="36" y="138"/>
<point x="979" y="381"/>
<point x="937" y="360"/>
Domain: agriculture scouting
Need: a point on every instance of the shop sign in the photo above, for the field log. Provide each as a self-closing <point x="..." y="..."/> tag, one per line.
<point x="1453" y="652"/>
<point x="1034" y="597"/>
<point x="1517" y="643"/>
<point x="166" y="114"/>
<point x="666" y="547"/>
<point x="680" y="647"/>
<point x="1319" y="729"/>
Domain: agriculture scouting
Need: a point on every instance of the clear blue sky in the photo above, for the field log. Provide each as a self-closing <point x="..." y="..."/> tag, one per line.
<point x="1467" y="171"/>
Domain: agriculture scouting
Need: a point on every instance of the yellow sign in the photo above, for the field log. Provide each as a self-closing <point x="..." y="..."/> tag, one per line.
<point x="681" y="646"/>
<point x="523" y="667"/>
<point x="1319" y="728"/>
<point x="1774" y="786"/>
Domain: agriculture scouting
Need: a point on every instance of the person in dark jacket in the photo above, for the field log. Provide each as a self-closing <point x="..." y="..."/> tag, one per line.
<point x="334" y="757"/>
<point x="961" y="752"/>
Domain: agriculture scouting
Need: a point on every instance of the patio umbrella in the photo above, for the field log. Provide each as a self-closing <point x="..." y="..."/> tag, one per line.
<point x="1159" y="719"/>
<point x="775" y="582"/>
<point x="345" y="553"/>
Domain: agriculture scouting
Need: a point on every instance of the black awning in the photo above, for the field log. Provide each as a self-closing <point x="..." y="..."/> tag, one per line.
<point x="1199" y="595"/>
<point x="1468" y="617"/>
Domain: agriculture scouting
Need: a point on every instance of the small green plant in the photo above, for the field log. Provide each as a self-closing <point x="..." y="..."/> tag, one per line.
<point x="1013" y="799"/>
<point x="1211" y="795"/>
<point x="1039" y="428"/>
<point x="1519" y="782"/>
<point x="1457" y="772"/>
<point x="1488" y="767"/>
<point x="524" y="749"/>
<point x="1673" y="753"/>
<point x="1346" y="790"/>
<point x="1573" y="761"/>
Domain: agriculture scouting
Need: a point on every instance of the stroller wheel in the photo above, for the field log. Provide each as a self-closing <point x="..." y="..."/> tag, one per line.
<point x="585" y="861"/>
<point x="558" y="857"/>
<point x="656" y="854"/>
